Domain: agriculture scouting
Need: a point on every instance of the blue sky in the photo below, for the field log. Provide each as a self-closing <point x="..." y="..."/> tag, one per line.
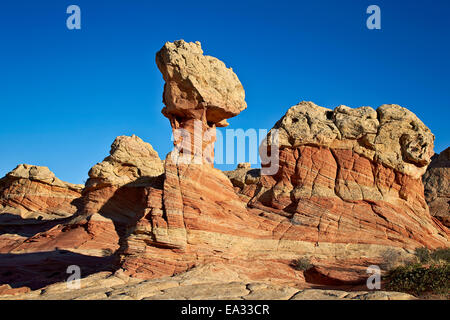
<point x="66" y="94"/>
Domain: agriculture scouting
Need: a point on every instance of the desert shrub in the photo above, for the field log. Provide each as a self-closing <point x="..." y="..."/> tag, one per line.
<point x="429" y="274"/>
<point x="441" y="255"/>
<point x="302" y="264"/>
<point x="426" y="256"/>
<point x="418" y="279"/>
<point x="391" y="259"/>
<point x="422" y="255"/>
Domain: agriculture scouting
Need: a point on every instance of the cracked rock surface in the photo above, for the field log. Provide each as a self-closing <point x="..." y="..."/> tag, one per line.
<point x="109" y="286"/>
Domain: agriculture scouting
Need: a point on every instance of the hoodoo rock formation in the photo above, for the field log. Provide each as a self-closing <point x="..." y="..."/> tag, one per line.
<point x="200" y="94"/>
<point x="437" y="186"/>
<point x="347" y="188"/>
<point x="198" y="86"/>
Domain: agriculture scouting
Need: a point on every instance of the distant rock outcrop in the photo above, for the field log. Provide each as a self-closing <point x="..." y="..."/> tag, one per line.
<point x="130" y="159"/>
<point x="33" y="192"/>
<point x="437" y="186"/>
<point x="113" y="199"/>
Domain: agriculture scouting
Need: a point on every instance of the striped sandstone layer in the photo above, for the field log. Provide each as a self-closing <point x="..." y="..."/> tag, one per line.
<point x="33" y="192"/>
<point x="352" y="174"/>
<point x="112" y="199"/>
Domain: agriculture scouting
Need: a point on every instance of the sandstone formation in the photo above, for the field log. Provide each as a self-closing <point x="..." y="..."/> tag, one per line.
<point x="33" y="192"/>
<point x="130" y="159"/>
<point x="391" y="135"/>
<point x="114" y="196"/>
<point x="200" y="94"/>
<point x="198" y="86"/>
<point x="437" y="186"/>
<point x="347" y="189"/>
<point x="352" y="175"/>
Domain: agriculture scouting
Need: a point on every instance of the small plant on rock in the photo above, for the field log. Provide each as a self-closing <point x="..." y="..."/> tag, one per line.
<point x="302" y="264"/>
<point x="422" y="255"/>
<point x="107" y="252"/>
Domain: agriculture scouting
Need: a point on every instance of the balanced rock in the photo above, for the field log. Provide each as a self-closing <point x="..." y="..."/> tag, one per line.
<point x="198" y="85"/>
<point x="200" y="93"/>
<point x="437" y="186"/>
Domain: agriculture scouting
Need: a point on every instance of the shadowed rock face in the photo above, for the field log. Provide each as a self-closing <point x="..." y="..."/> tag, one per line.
<point x="437" y="186"/>
<point x="347" y="189"/>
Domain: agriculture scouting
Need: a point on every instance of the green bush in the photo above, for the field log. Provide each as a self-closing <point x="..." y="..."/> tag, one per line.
<point x="417" y="279"/>
<point x="423" y="255"/>
<point x="430" y="274"/>
<point x="302" y="264"/>
<point x="439" y="255"/>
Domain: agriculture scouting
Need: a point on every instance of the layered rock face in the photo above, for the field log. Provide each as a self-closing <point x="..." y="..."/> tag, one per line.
<point x="437" y="186"/>
<point x="114" y="197"/>
<point x="33" y="192"/>
<point x="115" y="185"/>
<point x="351" y="176"/>
<point x="116" y="191"/>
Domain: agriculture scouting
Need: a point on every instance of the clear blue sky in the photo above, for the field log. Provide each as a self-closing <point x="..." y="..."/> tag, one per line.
<point x="66" y="94"/>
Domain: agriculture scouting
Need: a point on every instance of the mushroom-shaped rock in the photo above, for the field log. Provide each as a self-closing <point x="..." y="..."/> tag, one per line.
<point x="197" y="85"/>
